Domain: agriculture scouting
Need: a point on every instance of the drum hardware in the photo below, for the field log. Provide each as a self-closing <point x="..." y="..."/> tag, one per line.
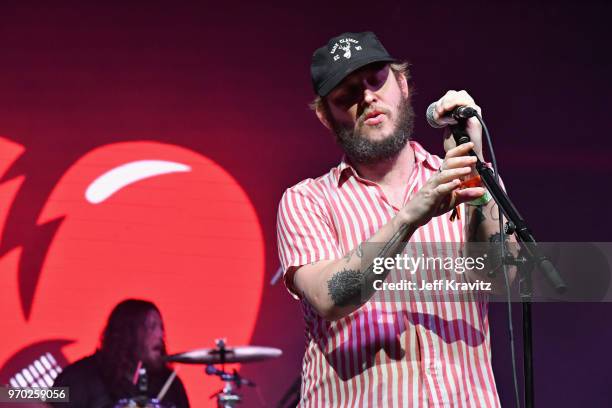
<point x="226" y="397"/>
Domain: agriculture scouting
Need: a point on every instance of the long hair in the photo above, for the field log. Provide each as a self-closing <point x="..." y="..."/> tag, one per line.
<point x="120" y="344"/>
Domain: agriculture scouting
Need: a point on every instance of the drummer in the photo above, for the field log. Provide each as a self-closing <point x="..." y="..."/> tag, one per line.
<point x="133" y="339"/>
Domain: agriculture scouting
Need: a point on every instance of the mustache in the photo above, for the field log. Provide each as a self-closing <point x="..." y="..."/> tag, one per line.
<point x="364" y="115"/>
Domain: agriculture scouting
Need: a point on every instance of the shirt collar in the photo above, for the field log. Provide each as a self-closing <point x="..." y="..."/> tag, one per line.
<point x="421" y="158"/>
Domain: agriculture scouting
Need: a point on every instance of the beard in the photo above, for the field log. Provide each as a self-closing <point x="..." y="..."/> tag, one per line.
<point x="362" y="150"/>
<point x="154" y="361"/>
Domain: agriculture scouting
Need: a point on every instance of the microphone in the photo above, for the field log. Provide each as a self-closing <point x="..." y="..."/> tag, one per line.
<point x="460" y="112"/>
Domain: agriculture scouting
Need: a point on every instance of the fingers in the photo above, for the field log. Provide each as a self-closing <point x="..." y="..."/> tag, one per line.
<point x="450" y="182"/>
<point x="456" y="162"/>
<point x="459" y="196"/>
<point x="452" y="99"/>
<point x="447" y="188"/>
<point x="449" y="174"/>
<point x="468" y="194"/>
<point x="461" y="150"/>
<point x="448" y="103"/>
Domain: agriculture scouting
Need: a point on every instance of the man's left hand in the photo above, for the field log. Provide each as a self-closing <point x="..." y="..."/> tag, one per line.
<point x="446" y="104"/>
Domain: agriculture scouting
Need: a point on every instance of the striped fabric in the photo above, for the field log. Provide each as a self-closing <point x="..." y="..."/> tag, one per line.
<point x="386" y="354"/>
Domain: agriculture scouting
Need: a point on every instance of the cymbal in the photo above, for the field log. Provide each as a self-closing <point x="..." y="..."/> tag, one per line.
<point x="239" y="354"/>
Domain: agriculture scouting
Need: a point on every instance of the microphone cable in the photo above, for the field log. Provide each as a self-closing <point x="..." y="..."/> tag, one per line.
<point x="504" y="269"/>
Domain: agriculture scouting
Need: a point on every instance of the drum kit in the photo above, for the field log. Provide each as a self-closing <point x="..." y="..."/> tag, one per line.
<point x="219" y="355"/>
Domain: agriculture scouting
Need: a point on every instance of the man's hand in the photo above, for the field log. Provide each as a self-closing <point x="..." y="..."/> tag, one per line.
<point x="441" y="192"/>
<point x="446" y="104"/>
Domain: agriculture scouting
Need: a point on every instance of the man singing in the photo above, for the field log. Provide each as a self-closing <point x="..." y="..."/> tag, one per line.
<point x="387" y="189"/>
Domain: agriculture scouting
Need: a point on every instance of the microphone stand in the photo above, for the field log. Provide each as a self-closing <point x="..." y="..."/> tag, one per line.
<point x="529" y="256"/>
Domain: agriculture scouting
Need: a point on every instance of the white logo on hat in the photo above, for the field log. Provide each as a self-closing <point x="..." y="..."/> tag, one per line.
<point x="345" y="45"/>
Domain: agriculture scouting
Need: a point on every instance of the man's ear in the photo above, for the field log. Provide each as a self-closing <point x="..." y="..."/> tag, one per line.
<point x="403" y="84"/>
<point x="322" y="115"/>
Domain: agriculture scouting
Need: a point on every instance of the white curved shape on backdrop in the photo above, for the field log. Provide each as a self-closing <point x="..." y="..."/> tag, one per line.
<point x="121" y="176"/>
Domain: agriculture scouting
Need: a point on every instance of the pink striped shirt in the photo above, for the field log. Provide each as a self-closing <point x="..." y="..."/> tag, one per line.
<point x="385" y="354"/>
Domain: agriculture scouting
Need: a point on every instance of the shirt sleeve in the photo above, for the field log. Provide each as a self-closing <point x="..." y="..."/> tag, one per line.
<point x="305" y="232"/>
<point x="84" y="387"/>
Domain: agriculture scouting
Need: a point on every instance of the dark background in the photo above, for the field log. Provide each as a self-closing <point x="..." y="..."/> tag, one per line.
<point x="231" y="81"/>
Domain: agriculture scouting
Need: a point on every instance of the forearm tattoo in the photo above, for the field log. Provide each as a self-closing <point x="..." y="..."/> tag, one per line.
<point x="474" y="221"/>
<point x="495" y="252"/>
<point x="345" y="287"/>
<point x="497" y="237"/>
<point x="494" y="212"/>
<point x="357" y="251"/>
<point x="353" y="287"/>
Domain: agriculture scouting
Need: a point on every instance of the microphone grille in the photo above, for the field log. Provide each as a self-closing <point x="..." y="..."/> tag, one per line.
<point x="430" y="117"/>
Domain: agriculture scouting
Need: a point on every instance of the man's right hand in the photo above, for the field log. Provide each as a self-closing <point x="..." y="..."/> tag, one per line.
<point x="441" y="192"/>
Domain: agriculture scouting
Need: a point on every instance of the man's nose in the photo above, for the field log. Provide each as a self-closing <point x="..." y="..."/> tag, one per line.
<point x="159" y="333"/>
<point x="369" y="96"/>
